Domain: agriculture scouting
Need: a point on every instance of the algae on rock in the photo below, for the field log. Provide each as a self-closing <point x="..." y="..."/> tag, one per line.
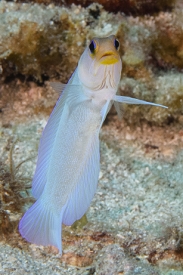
<point x="35" y="39"/>
<point x="135" y="7"/>
<point x="46" y="42"/>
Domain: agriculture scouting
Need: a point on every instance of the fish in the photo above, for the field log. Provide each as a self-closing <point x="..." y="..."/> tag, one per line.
<point x="68" y="163"/>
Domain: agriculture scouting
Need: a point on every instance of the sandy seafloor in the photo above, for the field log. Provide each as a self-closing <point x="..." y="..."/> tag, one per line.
<point x="135" y="219"/>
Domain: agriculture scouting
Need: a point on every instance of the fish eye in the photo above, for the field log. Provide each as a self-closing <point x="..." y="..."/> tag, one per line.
<point x="116" y="44"/>
<point x="92" y="46"/>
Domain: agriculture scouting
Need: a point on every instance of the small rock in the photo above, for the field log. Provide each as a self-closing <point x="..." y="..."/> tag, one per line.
<point x="110" y="260"/>
<point x="113" y="260"/>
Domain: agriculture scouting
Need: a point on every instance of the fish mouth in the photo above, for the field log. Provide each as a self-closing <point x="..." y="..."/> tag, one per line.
<point x="108" y="58"/>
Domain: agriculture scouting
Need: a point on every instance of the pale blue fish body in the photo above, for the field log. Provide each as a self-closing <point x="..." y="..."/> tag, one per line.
<point x="68" y="164"/>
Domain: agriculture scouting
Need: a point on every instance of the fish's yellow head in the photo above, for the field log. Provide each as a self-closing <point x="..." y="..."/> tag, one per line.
<point x="100" y="65"/>
<point x="104" y="50"/>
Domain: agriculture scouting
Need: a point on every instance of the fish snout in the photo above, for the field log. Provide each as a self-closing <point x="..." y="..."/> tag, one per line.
<point x="108" y="58"/>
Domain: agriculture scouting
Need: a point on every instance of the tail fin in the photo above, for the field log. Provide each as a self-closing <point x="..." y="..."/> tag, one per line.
<point x="41" y="226"/>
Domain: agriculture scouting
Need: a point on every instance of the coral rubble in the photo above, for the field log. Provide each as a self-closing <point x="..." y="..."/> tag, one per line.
<point x="135" y="218"/>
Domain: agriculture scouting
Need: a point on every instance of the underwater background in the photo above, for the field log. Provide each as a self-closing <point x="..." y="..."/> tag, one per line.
<point x="135" y="222"/>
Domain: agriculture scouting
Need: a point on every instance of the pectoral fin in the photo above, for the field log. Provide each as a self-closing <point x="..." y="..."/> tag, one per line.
<point x="130" y="100"/>
<point x="59" y="87"/>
